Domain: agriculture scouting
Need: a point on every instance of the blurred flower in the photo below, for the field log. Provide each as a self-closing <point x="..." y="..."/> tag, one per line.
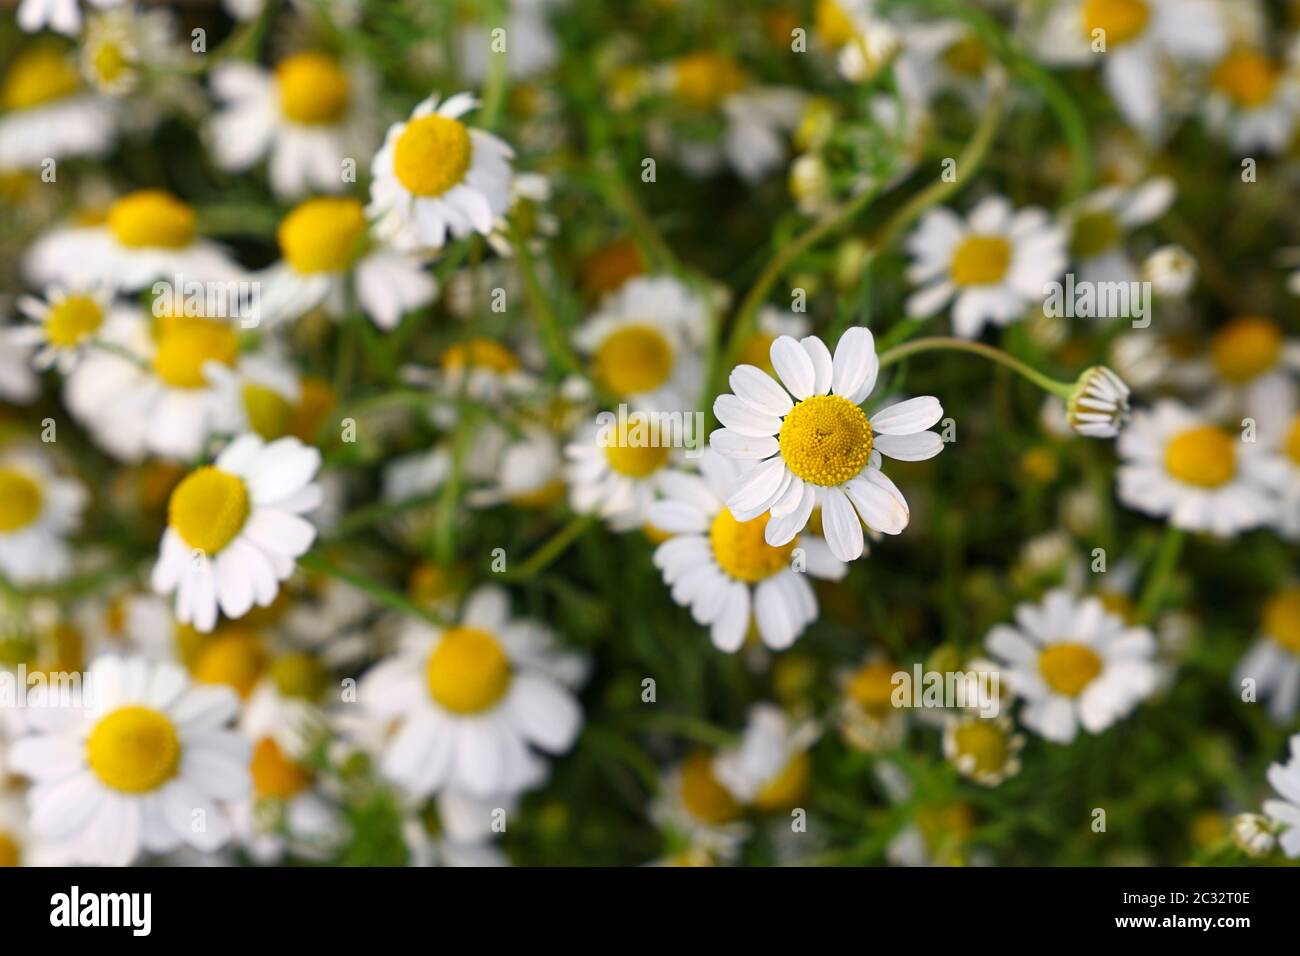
<point x="1273" y="661"/>
<point x="770" y="769"/>
<point x="985" y="750"/>
<point x="1285" y="779"/>
<point x="38" y="510"/>
<point x="1098" y="406"/>
<point x="47" y="114"/>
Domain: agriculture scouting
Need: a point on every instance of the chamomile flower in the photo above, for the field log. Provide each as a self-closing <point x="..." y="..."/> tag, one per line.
<point x="1285" y="812"/>
<point x="1098" y="224"/>
<point x="122" y="43"/>
<point x="645" y="343"/>
<point x="147" y="235"/>
<point x="819" y="447"/>
<point x="1073" y="663"/>
<point x="529" y="472"/>
<point x="463" y="833"/>
<point x="1273" y="662"/>
<point x="472" y="700"/>
<point x="616" y="469"/>
<point x="1249" y="356"/>
<point x="533" y="47"/>
<point x="61" y="16"/>
<point x="1179" y="465"/>
<point x="992" y="266"/>
<point x="38" y="510"/>
<point x="436" y="176"/>
<point x="1098" y="405"/>
<point x="723" y="569"/>
<point x="771" y="767"/>
<point x="136" y="767"/>
<point x="46" y="112"/>
<point x="866" y="716"/>
<point x="1275" y="407"/>
<point x="68" y="321"/>
<point x="481" y="369"/>
<point x="310" y="117"/>
<point x="235" y="529"/>
<point x="698" y="812"/>
<point x="1253" y="100"/>
<point x="983" y="749"/>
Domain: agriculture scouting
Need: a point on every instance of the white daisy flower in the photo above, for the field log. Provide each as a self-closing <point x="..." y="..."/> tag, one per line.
<point x="478" y="368"/>
<point x="68" y="320"/>
<point x="1253" y="834"/>
<point x="771" y="768"/>
<point x="139" y="767"/>
<point x="532" y="47"/>
<point x="121" y="44"/>
<point x="310" y="116"/>
<point x="723" y="569"/>
<point x="646" y="342"/>
<point x="1253" y="101"/>
<point x="983" y="749"/>
<point x="472" y="700"/>
<point x="616" y="469"/>
<point x="1275" y="408"/>
<point x="18" y="383"/>
<point x="434" y="176"/>
<point x="1285" y="813"/>
<point x="451" y="848"/>
<point x="529" y="472"/>
<point x="38" y="510"/>
<point x="19" y="846"/>
<point x="147" y="235"/>
<point x="693" y="807"/>
<point x="1073" y="663"/>
<point x="819" y="447"/>
<point x="61" y="16"/>
<point x="47" y="113"/>
<point x="945" y="56"/>
<point x="1273" y="662"/>
<point x="1179" y="465"/>
<point x="1098" y="223"/>
<point x="234" y="529"/>
<point x="1249" y="358"/>
<point x="866" y="715"/>
<point x="993" y="266"/>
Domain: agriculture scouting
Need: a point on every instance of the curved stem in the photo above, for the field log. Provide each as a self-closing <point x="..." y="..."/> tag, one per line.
<point x="938" y="343"/>
<point x="1162" y="569"/>
<point x="555" y="546"/>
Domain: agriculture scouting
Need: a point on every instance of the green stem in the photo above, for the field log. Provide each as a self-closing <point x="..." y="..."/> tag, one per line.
<point x="554" y="546"/>
<point x="1162" y="570"/>
<point x="553" y="337"/>
<point x="494" y="87"/>
<point x="947" y="343"/>
<point x="380" y="593"/>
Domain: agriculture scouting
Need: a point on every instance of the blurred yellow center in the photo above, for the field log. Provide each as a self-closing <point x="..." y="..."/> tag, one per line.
<point x="274" y="774"/>
<point x="1247" y="78"/>
<point x="134" y="749"/>
<point x="788" y="787"/>
<point x="269" y="413"/>
<point x="742" y="552"/>
<point x="109" y="62"/>
<point x="313" y="88"/>
<point x="20" y="500"/>
<point x="1094" y="233"/>
<point x="38" y="76"/>
<point x="832" y="23"/>
<point x="1202" y="456"/>
<point x="984" y="743"/>
<point x="634" y="359"/>
<point x="757" y="351"/>
<point x="72" y="320"/>
<point x="706" y="799"/>
<point x="432" y="154"/>
<point x="872" y="687"/>
<point x="1282" y="619"/>
<point x="636" y="450"/>
<point x="208" y="509"/>
<point x="9" y="852"/>
<point x="1292" y="443"/>
<point x="151" y="218"/>
<point x="235" y="658"/>
<point x="981" y="260"/>
<point x="299" y="675"/>
<point x="825" y="440"/>
<point x="184" y="345"/>
<point x="1120" y="20"/>
<point x="321" y="235"/>
<point x="1069" y="668"/>
<point x="479" y="353"/>
<point x="1246" y="348"/>
<point x="703" y="80"/>
<point x="468" y="671"/>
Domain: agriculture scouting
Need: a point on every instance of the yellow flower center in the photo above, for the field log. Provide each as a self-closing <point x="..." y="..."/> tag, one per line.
<point x="1292" y="446"/>
<point x="636" y="450"/>
<point x="1121" y="605"/>
<point x="235" y="658"/>
<point x="757" y="351"/>
<point x="832" y="23"/>
<point x="788" y="787"/>
<point x="20" y="500"/>
<point x="38" y="76"/>
<point x="269" y="413"/>
<point x="208" y="509"/>
<point x="429" y="583"/>
<point x="432" y="154"/>
<point x="468" y="671"/>
<point x="1069" y="668"/>
<point x="109" y="62"/>
<point x="1121" y="20"/>
<point x="479" y="353"/>
<point x="981" y="260"/>
<point x="314" y="403"/>
<point x="299" y="675"/>
<point x="984" y="742"/>
<point x="313" y="88"/>
<point x="72" y="320"/>
<point x="9" y="852"/>
<point x="186" y="344"/>
<point x="134" y="749"/>
<point x="151" y="218"/>
<point x="872" y="687"/>
<point x="825" y="440"/>
<point x="274" y="774"/>
<point x="1247" y="78"/>
<point x="704" y="798"/>
<point x="610" y="266"/>
<point x="967" y="57"/>
<point x="1094" y="233"/>
<point x="1282" y="619"/>
<point x="703" y="80"/>
<point x="1203" y="456"/>
<point x="634" y="359"/>
<point x="742" y="552"/>
<point x="321" y="235"/>
<point x="1246" y="348"/>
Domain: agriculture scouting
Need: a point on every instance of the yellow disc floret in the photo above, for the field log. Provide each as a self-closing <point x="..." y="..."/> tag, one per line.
<point x="208" y="509"/>
<point x="269" y="413"/>
<point x="788" y="787"/>
<point x="299" y="675"/>
<point x="635" y="449"/>
<point x="468" y="671"/>
<point x="703" y="796"/>
<point x="235" y="657"/>
<point x="1246" y="348"/>
<point x="1094" y="233"/>
<point x="1069" y="668"/>
<point x="1119" y="20"/>
<point x="1282" y="619"/>
<point x="825" y="440"/>
<point x="20" y="500"/>
<point x="432" y="155"/>
<point x="151" y="218"/>
<point x="480" y="354"/>
<point x="1204" y="456"/>
<point x="185" y="345"/>
<point x="39" y="75"/>
<point x="981" y="745"/>
<point x="314" y="90"/>
<point x="981" y="260"/>
<point x="134" y="749"/>
<point x="872" y="687"/>
<point x="321" y="235"/>
<point x="1292" y="443"/>
<point x="634" y="359"/>
<point x="72" y="320"/>
<point x="1247" y="78"/>
<point x="703" y="80"/>
<point x="275" y="775"/>
<point x="741" y="551"/>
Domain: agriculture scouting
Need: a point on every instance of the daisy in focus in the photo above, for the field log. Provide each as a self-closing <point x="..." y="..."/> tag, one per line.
<point x="471" y="701"/>
<point x="814" y="444"/>
<point x="723" y="569"/>
<point x="46" y="112"/>
<point x="1285" y="812"/>
<point x="992" y="266"/>
<point x="141" y="768"/>
<point x="235" y="529"/>
<point x="435" y="176"/>
<point x="38" y="510"/>
<point x="1273" y="662"/>
<point x="1073" y="663"/>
